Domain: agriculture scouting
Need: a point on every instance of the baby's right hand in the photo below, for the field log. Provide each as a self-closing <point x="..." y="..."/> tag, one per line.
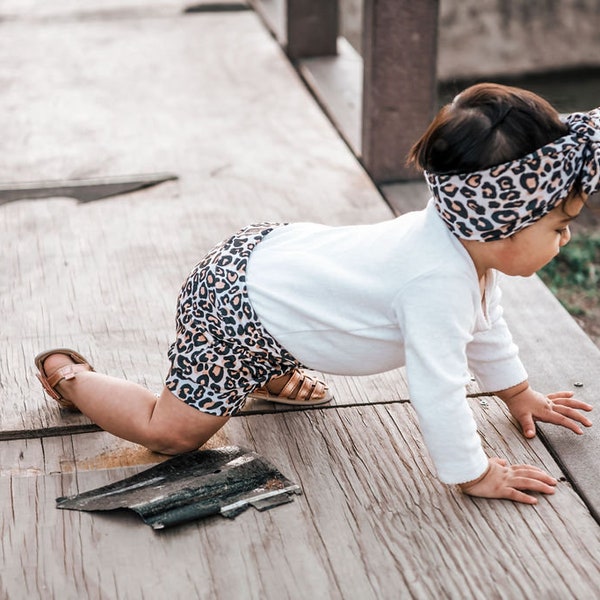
<point x="506" y="481"/>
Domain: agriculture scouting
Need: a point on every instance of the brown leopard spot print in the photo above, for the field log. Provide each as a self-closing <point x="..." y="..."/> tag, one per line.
<point x="222" y="353"/>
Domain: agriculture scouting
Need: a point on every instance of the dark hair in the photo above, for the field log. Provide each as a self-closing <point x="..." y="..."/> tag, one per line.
<point x="486" y="125"/>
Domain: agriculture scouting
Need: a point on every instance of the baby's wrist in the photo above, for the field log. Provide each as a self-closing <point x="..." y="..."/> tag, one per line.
<point x="468" y="484"/>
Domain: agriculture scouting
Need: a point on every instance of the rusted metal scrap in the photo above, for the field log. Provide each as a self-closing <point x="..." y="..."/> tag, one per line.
<point x="192" y="486"/>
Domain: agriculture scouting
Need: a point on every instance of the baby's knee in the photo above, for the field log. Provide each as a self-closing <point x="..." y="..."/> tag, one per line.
<point x="173" y="438"/>
<point x="172" y="444"/>
<point x="175" y="427"/>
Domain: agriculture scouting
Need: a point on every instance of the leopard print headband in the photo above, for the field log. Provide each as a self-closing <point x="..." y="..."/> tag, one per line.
<point x="495" y="203"/>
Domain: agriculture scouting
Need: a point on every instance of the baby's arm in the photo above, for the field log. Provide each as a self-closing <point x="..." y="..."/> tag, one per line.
<point x="526" y="406"/>
<point x="501" y="480"/>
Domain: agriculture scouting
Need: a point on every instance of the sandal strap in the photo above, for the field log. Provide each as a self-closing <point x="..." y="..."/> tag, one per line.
<point x="293" y="382"/>
<point x="306" y="389"/>
<point x="299" y="389"/>
<point x="49" y="382"/>
<point x="67" y="372"/>
<point x="320" y="390"/>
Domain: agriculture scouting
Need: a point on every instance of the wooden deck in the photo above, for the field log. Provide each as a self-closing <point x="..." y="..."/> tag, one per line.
<point x="121" y="89"/>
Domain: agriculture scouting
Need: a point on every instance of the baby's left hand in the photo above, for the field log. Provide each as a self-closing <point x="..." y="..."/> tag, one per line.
<point x="559" y="408"/>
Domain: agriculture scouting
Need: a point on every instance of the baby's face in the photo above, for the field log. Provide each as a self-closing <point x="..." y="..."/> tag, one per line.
<point x="528" y="250"/>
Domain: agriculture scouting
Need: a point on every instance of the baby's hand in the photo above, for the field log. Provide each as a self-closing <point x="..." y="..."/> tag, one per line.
<point x="506" y="481"/>
<point x="559" y="408"/>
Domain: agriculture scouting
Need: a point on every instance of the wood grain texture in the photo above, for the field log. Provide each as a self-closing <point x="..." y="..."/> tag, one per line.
<point x="248" y="144"/>
<point x="404" y="197"/>
<point x="274" y="15"/>
<point x="372" y="522"/>
<point x="107" y="9"/>
<point x="558" y="354"/>
<point x="103" y="277"/>
<point x="337" y="83"/>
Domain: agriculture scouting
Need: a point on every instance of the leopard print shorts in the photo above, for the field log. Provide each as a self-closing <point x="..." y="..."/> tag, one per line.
<point x="222" y="353"/>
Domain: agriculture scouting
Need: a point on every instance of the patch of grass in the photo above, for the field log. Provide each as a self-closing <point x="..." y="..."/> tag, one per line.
<point x="575" y="270"/>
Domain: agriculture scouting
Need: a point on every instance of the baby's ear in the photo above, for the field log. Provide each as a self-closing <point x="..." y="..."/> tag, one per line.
<point x="572" y="204"/>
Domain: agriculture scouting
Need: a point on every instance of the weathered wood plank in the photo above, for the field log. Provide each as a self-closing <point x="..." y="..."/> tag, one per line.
<point x="372" y="523"/>
<point x="140" y="356"/>
<point x="406" y="196"/>
<point x="103" y="277"/>
<point x="104" y="9"/>
<point x="337" y="83"/>
<point x="204" y="99"/>
<point x="274" y="16"/>
<point x="348" y="391"/>
<point x="559" y="354"/>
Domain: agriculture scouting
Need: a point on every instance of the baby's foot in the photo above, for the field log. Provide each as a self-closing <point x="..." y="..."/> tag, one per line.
<point x="56" y="368"/>
<point x="296" y="388"/>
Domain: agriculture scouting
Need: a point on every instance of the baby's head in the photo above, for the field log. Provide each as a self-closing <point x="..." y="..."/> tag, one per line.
<point x="499" y="158"/>
<point x="486" y="125"/>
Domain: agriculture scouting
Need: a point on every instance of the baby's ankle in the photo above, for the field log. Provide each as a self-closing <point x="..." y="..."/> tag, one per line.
<point x="276" y="384"/>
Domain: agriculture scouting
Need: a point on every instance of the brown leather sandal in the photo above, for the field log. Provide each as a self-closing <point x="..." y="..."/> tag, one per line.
<point x="49" y="382"/>
<point x="300" y="390"/>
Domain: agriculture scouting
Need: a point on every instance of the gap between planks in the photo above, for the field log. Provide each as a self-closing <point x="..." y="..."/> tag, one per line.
<point x="78" y="429"/>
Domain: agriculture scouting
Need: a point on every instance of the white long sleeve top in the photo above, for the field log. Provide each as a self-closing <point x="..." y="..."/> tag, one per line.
<point x="365" y="299"/>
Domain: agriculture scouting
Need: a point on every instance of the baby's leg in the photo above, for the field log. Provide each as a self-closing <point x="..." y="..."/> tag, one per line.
<point x="132" y="412"/>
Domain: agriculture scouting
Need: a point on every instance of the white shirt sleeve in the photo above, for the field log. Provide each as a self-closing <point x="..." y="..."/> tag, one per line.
<point x="437" y="317"/>
<point x="492" y="354"/>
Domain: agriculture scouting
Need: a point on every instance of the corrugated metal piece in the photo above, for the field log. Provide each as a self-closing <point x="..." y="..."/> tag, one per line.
<point x="191" y="486"/>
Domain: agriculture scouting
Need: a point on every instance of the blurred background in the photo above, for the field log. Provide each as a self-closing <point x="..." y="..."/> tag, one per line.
<point x="551" y="47"/>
